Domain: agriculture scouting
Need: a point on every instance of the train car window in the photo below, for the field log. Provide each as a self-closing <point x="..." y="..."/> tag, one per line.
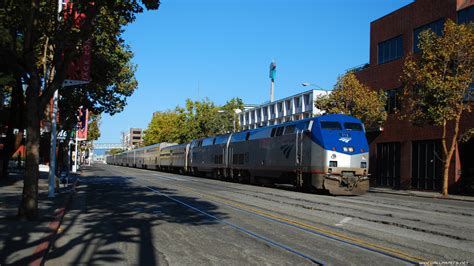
<point x="279" y="131"/>
<point x="261" y="133"/>
<point x="214" y="141"/>
<point x="289" y="129"/>
<point x="273" y="132"/>
<point x="353" y="126"/>
<point x="247" y="136"/>
<point x="330" y="125"/>
<point x="238" y="136"/>
<point x="207" y="142"/>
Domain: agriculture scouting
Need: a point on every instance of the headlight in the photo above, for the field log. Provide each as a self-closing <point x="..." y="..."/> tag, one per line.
<point x="333" y="156"/>
<point x="363" y="157"/>
<point x="348" y="149"/>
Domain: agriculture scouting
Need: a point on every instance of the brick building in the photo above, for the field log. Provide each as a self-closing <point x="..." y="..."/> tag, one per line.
<point x="402" y="155"/>
<point x="133" y="138"/>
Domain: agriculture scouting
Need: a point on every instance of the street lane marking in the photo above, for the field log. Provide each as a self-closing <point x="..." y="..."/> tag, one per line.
<point x="169" y="178"/>
<point x="391" y="252"/>
<point x="398" y="254"/>
<point x="343" y="221"/>
<point x="269" y="241"/>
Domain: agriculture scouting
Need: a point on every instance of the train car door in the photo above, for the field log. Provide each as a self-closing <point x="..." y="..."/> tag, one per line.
<point x="299" y="157"/>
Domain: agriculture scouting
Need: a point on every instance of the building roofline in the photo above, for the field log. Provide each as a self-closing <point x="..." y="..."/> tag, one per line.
<point x="282" y="99"/>
<point x="391" y="13"/>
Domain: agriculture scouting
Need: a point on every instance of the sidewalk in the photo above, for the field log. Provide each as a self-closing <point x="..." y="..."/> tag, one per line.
<point x="423" y="194"/>
<point x="24" y="242"/>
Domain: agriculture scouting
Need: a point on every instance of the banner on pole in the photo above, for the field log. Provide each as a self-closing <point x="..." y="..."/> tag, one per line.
<point x="79" y="68"/>
<point x="82" y="123"/>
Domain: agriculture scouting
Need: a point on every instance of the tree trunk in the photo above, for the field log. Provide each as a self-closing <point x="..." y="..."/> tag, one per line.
<point x="29" y="202"/>
<point x="448" y="153"/>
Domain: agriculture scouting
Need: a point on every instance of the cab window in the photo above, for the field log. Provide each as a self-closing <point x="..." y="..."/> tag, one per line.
<point x="329" y="125"/>
<point x="353" y="126"/>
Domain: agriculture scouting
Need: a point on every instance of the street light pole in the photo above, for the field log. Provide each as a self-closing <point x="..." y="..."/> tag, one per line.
<point x="305" y="84"/>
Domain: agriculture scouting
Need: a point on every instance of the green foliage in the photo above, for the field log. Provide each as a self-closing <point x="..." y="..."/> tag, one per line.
<point x="35" y="39"/>
<point x="114" y="151"/>
<point x="164" y="127"/>
<point x="437" y="80"/>
<point x="351" y="97"/>
<point x="198" y="119"/>
<point x="94" y="127"/>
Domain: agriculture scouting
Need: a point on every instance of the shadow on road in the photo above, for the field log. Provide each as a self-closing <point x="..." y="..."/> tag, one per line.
<point x="109" y="212"/>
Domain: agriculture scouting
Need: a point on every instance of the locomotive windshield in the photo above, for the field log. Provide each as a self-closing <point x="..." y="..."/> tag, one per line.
<point x="329" y="125"/>
<point x="353" y="126"/>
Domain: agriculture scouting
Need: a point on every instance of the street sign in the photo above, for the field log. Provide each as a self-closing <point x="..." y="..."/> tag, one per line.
<point x="62" y="135"/>
<point x="72" y="82"/>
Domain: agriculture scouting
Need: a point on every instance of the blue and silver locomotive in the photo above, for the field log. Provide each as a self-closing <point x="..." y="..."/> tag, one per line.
<point x="328" y="152"/>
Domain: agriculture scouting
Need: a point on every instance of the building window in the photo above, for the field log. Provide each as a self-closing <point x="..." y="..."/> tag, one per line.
<point x="288" y="105"/>
<point x="306" y="99"/>
<point x="435" y="26"/>
<point x="466" y="15"/>
<point x="427" y="166"/>
<point x="393" y="100"/>
<point x="390" y="49"/>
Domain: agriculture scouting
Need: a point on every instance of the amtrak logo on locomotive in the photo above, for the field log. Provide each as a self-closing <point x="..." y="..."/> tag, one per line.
<point x="286" y="149"/>
<point x="345" y="137"/>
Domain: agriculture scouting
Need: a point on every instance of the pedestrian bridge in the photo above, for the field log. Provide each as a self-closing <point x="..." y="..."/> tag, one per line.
<point x="107" y="146"/>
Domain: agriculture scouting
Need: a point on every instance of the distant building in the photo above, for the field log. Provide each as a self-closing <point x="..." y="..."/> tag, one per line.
<point x="133" y="138"/>
<point x="291" y="108"/>
<point x="402" y="155"/>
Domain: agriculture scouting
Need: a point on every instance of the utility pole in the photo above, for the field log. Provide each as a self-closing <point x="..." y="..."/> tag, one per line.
<point x="52" y="154"/>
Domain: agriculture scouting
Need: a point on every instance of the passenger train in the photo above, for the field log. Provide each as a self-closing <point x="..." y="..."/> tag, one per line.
<point x="326" y="153"/>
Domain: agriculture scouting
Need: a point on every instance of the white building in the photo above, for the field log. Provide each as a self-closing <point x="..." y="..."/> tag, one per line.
<point x="295" y="107"/>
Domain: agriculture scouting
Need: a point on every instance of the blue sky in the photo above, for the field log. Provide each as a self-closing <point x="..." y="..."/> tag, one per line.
<point x="222" y="49"/>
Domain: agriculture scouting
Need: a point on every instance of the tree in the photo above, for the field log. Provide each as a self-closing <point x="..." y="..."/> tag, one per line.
<point x="164" y="127"/>
<point x="37" y="46"/>
<point x="229" y="116"/>
<point x="198" y="119"/>
<point x="436" y="82"/>
<point x="354" y="98"/>
<point x="94" y="128"/>
<point x="114" y="151"/>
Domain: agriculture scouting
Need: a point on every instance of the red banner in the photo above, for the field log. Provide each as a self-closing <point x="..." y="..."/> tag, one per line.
<point x="82" y="124"/>
<point x="79" y="69"/>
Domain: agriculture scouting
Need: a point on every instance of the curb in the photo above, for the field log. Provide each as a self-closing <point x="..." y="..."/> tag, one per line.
<point x="412" y="194"/>
<point x="42" y="249"/>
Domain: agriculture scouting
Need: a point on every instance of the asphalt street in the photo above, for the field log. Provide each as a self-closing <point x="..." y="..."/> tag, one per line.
<point x="133" y="216"/>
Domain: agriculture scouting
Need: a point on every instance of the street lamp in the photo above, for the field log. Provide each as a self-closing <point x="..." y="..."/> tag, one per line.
<point x="305" y="84"/>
